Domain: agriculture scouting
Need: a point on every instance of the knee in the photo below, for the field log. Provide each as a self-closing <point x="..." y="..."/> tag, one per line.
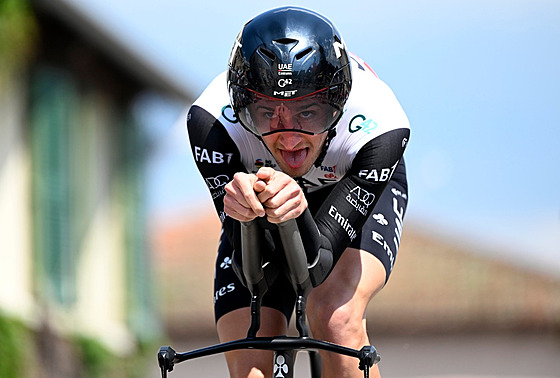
<point x="332" y="322"/>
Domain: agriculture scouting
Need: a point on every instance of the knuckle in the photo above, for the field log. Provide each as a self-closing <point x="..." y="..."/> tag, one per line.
<point x="238" y="176"/>
<point x="272" y="203"/>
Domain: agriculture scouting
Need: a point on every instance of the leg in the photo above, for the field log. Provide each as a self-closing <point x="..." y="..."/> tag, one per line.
<point x="231" y="301"/>
<point x="336" y="308"/>
<point x="336" y="311"/>
<point x="250" y="363"/>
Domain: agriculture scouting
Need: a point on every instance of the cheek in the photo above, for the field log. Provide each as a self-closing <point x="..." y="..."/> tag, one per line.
<point x="270" y="140"/>
<point x="317" y="141"/>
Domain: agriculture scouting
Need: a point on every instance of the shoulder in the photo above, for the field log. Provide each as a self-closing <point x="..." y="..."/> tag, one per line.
<point x="371" y="110"/>
<point x="204" y="125"/>
<point x="214" y="97"/>
<point x="372" y="103"/>
<point x="211" y="121"/>
<point x="212" y="109"/>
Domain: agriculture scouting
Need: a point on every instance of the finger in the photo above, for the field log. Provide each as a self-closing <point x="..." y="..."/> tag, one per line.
<point x="287" y="211"/>
<point x="259" y="186"/>
<point x="254" y="203"/>
<point x="241" y="217"/>
<point x="278" y="191"/>
<point x="234" y="209"/>
<point x="265" y="174"/>
<point x="241" y="189"/>
<point x="275" y="185"/>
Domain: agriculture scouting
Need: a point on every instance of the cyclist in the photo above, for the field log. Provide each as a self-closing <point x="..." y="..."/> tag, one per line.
<point x="297" y="125"/>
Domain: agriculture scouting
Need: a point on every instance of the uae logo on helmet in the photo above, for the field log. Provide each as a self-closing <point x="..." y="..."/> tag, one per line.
<point x="285" y="69"/>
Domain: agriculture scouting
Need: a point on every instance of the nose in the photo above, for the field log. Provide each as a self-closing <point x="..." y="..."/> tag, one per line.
<point x="289" y="140"/>
<point x="285" y="120"/>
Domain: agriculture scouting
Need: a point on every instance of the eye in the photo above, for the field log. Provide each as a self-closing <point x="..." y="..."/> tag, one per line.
<point x="307" y="115"/>
<point x="267" y="114"/>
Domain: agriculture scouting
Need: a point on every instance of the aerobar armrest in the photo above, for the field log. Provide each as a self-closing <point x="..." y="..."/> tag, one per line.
<point x="312" y="249"/>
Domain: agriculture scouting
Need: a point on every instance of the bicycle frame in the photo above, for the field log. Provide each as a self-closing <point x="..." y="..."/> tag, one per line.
<point x="285" y="347"/>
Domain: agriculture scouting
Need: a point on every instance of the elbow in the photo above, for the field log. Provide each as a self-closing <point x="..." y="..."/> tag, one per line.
<point x="320" y="268"/>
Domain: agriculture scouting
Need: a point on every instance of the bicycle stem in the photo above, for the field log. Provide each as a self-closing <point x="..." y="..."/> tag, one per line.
<point x="301" y="324"/>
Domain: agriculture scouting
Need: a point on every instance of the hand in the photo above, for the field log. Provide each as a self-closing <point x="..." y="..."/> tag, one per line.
<point x="280" y="194"/>
<point x="241" y="202"/>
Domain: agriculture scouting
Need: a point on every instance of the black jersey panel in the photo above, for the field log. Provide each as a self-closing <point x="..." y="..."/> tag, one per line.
<point x="346" y="208"/>
<point x="216" y="157"/>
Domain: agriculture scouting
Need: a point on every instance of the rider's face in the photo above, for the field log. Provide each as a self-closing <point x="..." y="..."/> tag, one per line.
<point x="307" y="115"/>
<point x="293" y="130"/>
<point x="295" y="152"/>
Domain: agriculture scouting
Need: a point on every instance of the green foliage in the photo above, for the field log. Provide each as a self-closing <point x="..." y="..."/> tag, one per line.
<point x="144" y="358"/>
<point x="96" y="358"/>
<point x="14" y="347"/>
<point x="18" y="32"/>
<point x="98" y="361"/>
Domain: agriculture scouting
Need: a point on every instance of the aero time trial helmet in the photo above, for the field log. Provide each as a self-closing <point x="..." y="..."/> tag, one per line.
<point x="289" y="71"/>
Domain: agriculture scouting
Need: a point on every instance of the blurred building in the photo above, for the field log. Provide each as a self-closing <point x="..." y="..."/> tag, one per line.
<point x="74" y="256"/>
<point x="439" y="286"/>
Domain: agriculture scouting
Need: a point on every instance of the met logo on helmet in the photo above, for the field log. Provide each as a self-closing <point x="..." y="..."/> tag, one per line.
<point x="285" y="93"/>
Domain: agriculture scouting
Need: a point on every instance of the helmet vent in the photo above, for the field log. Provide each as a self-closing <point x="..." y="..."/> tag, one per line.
<point x="267" y="53"/>
<point x="303" y="53"/>
<point x="285" y="41"/>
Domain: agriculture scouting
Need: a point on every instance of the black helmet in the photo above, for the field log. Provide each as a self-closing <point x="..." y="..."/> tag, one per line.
<point x="289" y="70"/>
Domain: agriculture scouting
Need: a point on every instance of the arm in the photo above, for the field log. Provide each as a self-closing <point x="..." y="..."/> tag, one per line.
<point x="217" y="159"/>
<point x="340" y="218"/>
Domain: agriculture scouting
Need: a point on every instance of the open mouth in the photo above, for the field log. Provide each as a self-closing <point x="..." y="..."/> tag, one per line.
<point x="296" y="158"/>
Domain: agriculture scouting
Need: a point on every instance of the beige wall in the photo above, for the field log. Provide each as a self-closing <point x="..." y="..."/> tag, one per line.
<point x="100" y="309"/>
<point x="101" y="280"/>
<point x="15" y="208"/>
<point x="101" y="306"/>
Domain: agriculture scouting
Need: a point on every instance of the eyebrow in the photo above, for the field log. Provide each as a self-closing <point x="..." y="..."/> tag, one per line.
<point x="259" y="107"/>
<point x="303" y="107"/>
